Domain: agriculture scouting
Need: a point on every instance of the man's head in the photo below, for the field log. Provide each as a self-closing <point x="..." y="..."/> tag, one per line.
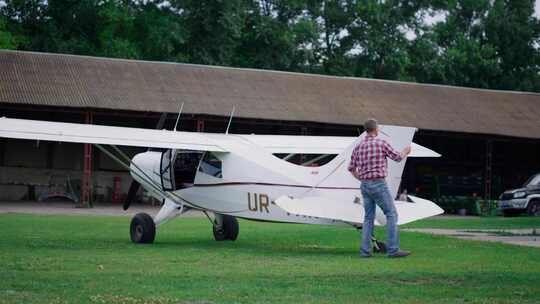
<point x="371" y="126"/>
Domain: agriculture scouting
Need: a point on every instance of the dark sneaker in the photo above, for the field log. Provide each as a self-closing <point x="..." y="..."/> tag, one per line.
<point x="366" y="255"/>
<point x="399" y="254"/>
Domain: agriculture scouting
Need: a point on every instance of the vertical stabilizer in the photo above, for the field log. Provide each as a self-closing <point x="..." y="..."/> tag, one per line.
<point x="336" y="173"/>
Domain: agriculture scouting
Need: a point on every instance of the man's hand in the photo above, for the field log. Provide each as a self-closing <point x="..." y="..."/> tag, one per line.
<point x="355" y="174"/>
<point x="406" y="151"/>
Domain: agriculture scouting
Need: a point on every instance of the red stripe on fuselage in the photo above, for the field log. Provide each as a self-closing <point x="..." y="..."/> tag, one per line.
<point x="269" y="184"/>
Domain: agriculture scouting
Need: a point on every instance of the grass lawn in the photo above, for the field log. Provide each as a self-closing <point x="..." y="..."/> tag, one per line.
<point x="90" y="259"/>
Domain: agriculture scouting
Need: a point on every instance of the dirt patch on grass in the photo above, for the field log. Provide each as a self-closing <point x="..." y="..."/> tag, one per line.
<point x="522" y="237"/>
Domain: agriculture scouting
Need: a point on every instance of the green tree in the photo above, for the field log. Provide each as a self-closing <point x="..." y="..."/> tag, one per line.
<point x="514" y="33"/>
<point x="24" y="20"/>
<point x="70" y="27"/>
<point x="215" y="29"/>
<point x="464" y="56"/>
<point x="276" y="36"/>
<point x="159" y="33"/>
<point x="7" y="40"/>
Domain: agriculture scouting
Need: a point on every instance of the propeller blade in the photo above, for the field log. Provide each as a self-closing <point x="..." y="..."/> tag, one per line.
<point x="133" y="188"/>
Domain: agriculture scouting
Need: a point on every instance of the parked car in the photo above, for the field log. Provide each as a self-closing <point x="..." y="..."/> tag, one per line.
<point x="526" y="199"/>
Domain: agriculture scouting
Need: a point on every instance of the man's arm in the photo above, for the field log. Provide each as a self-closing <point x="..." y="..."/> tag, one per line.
<point x="353" y="164"/>
<point x="393" y="154"/>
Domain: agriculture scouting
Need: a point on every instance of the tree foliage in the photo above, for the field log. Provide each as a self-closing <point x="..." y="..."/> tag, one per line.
<point x="476" y="43"/>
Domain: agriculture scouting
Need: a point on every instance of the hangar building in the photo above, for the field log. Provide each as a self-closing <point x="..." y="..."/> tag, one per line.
<point x="490" y="140"/>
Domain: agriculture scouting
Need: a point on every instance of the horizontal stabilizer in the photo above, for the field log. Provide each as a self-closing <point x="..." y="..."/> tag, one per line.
<point x="351" y="212"/>
<point x="418" y="209"/>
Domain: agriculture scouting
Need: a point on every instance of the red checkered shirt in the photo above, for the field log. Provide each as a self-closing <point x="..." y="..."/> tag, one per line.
<point x="368" y="159"/>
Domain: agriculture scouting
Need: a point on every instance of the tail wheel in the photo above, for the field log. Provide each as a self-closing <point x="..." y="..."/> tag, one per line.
<point x="228" y="231"/>
<point x="142" y="229"/>
<point x="534" y="208"/>
<point x="379" y="247"/>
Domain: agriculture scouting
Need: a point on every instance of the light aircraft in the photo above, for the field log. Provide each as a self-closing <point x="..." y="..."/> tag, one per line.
<point x="229" y="176"/>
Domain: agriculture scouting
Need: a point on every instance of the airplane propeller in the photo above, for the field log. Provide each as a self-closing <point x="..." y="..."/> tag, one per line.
<point x="135" y="185"/>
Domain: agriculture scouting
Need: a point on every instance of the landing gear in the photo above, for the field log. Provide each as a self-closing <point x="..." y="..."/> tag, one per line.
<point x="225" y="228"/>
<point x="142" y="229"/>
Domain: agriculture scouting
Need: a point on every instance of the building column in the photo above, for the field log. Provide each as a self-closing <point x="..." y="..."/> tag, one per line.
<point x="86" y="186"/>
<point x="200" y="125"/>
<point x="487" y="170"/>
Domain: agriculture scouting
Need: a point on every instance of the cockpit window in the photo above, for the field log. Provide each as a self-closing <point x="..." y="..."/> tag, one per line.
<point x="211" y="165"/>
<point x="307" y="160"/>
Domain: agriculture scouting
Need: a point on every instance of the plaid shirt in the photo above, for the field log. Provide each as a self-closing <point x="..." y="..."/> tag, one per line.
<point x="368" y="159"/>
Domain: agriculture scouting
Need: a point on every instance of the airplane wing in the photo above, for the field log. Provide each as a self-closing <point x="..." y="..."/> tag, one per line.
<point x="296" y="144"/>
<point x="352" y="212"/>
<point x="106" y="135"/>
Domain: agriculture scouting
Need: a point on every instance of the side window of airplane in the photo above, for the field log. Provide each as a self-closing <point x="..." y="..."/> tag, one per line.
<point x="211" y="165"/>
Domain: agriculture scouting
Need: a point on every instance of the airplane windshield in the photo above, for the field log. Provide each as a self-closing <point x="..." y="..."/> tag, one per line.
<point x="211" y="165"/>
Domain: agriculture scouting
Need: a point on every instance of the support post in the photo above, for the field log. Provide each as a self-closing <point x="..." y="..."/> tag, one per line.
<point x="200" y="125"/>
<point x="488" y="173"/>
<point x="86" y="187"/>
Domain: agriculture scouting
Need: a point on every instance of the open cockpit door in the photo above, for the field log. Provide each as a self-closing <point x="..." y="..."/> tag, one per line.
<point x="178" y="168"/>
<point x="166" y="169"/>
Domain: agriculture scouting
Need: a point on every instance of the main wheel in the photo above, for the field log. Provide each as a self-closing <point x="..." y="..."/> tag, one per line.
<point x="142" y="229"/>
<point x="229" y="230"/>
<point x="534" y="208"/>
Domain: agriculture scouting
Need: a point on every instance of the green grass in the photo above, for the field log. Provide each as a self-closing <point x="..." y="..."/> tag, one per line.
<point x="78" y="259"/>
<point x="498" y="222"/>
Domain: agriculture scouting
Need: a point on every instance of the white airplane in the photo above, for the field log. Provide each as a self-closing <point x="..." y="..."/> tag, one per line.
<point x="229" y="176"/>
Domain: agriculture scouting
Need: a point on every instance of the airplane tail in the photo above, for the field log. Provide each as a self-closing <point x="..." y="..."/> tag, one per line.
<point x="346" y="205"/>
<point x="337" y="175"/>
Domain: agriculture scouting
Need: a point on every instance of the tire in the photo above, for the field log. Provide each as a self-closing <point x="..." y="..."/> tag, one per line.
<point x="534" y="208"/>
<point x="510" y="213"/>
<point x="229" y="230"/>
<point x="142" y="229"/>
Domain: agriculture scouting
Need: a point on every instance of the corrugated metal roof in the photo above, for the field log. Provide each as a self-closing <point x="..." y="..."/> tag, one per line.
<point x="89" y="82"/>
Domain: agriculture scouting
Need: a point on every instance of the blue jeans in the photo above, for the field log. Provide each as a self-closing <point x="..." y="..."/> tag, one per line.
<point x="375" y="192"/>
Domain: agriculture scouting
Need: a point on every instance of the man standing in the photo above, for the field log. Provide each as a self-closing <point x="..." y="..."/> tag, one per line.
<point x="370" y="166"/>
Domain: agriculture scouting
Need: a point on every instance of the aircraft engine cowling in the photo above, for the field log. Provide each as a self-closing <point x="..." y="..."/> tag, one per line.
<point x="145" y="166"/>
<point x="144" y="169"/>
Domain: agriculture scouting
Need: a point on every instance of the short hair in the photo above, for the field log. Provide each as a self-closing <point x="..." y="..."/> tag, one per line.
<point x="371" y="125"/>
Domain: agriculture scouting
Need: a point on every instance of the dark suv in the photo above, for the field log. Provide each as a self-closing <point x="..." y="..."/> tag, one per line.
<point x="526" y="199"/>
